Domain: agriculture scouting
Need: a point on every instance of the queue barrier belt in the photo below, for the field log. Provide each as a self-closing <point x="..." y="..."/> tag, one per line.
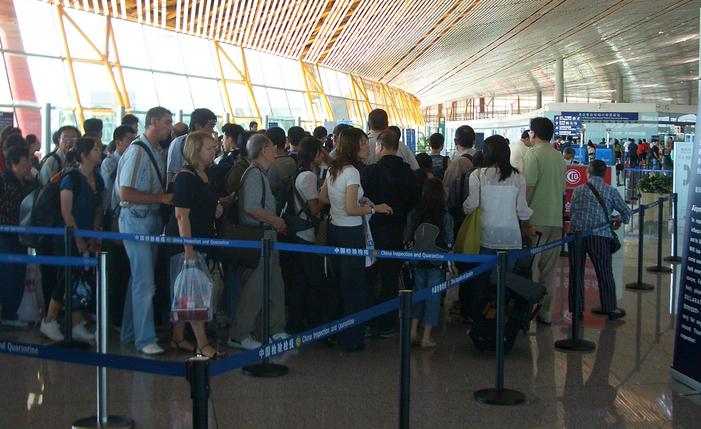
<point x="250" y="244"/>
<point x="649" y="170"/>
<point x="221" y="366"/>
<point x="63" y="261"/>
<point x="82" y="357"/>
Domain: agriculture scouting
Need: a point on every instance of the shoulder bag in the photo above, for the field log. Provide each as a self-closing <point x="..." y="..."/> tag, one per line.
<point x="615" y="242"/>
<point x="469" y="235"/>
<point x="233" y="229"/>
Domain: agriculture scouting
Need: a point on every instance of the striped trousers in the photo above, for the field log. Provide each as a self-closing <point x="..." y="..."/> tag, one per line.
<point x="599" y="251"/>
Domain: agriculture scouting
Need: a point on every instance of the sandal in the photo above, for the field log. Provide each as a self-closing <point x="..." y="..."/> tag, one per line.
<point x="216" y="355"/>
<point x="182" y="346"/>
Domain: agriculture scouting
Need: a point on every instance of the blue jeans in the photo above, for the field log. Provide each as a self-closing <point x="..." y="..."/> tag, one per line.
<point x="427" y="311"/>
<point x="137" y="322"/>
<point x="12" y="277"/>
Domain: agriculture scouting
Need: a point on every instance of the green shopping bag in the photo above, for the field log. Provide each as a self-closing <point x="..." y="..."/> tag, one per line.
<point x="468" y="240"/>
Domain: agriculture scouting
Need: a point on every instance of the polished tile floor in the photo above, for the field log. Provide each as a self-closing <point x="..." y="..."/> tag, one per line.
<point x="624" y="383"/>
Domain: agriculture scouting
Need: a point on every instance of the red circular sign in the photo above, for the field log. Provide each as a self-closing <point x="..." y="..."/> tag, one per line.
<point x="573" y="177"/>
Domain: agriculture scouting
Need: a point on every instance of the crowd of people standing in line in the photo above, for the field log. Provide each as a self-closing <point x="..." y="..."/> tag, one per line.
<point x="362" y="190"/>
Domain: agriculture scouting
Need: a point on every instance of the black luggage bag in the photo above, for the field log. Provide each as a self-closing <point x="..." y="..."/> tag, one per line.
<point x="522" y="295"/>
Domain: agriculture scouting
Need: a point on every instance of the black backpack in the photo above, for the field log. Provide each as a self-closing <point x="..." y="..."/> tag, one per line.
<point x="292" y="217"/>
<point x="440" y="164"/>
<point x="42" y="207"/>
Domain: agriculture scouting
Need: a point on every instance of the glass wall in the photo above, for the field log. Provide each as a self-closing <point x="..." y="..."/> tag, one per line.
<point x="146" y="66"/>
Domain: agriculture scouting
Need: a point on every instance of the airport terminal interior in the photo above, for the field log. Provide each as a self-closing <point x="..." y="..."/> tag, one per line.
<point x="606" y="91"/>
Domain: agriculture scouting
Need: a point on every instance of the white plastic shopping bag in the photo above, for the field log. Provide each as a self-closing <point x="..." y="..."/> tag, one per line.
<point x="32" y="306"/>
<point x="192" y="289"/>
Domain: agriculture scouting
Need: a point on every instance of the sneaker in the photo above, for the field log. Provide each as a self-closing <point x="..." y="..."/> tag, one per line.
<point x="82" y="334"/>
<point x="15" y="324"/>
<point x="51" y="330"/>
<point x="387" y="333"/>
<point x="152" y="349"/>
<point x="280" y="336"/>
<point x="247" y="343"/>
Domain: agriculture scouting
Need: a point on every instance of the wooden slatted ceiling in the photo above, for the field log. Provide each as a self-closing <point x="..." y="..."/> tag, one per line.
<point x="436" y="48"/>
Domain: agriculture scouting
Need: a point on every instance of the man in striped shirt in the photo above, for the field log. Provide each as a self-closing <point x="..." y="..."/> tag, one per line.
<point x="586" y="212"/>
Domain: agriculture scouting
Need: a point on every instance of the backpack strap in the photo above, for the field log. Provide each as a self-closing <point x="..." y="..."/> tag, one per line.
<point x="54" y="155"/>
<point x="262" y="184"/>
<point x="153" y="163"/>
<point x="302" y="203"/>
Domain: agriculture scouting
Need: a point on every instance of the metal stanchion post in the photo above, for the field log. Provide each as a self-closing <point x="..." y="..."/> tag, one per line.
<point x="659" y="268"/>
<point x="265" y="368"/>
<point x="563" y="248"/>
<point x="198" y="377"/>
<point x="675" y="258"/>
<point x="499" y="395"/>
<point x="575" y="342"/>
<point x="102" y="419"/>
<point x="405" y="357"/>
<point x="638" y="284"/>
<point x="68" y="340"/>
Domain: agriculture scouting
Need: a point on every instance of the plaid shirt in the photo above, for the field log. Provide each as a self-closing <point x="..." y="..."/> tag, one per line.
<point x="586" y="212"/>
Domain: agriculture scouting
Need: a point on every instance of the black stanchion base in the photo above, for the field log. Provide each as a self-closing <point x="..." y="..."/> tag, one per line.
<point x="659" y="269"/>
<point x="575" y="345"/>
<point x="112" y="422"/>
<point x="640" y="286"/>
<point x="673" y="259"/>
<point x="499" y="397"/>
<point x="600" y="312"/>
<point x="265" y="370"/>
<point x="73" y="344"/>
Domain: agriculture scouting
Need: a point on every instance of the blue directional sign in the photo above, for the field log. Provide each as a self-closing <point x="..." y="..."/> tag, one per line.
<point x="568" y="124"/>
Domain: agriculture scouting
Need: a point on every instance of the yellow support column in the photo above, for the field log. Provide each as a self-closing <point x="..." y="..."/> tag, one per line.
<point x="222" y="80"/>
<point x="69" y="63"/>
<point x="243" y="79"/>
<point x="247" y="82"/>
<point x="315" y="91"/>
<point x="359" y="89"/>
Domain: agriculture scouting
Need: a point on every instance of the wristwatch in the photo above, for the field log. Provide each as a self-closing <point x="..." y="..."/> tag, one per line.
<point x="372" y="209"/>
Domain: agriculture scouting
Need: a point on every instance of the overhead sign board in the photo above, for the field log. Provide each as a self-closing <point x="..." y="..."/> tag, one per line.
<point x="7" y="119"/>
<point x="567" y="124"/>
<point x="603" y="116"/>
